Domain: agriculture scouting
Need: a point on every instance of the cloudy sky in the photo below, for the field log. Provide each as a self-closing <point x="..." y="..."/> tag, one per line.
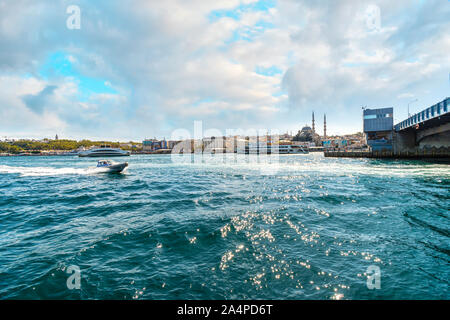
<point x="140" y="69"/>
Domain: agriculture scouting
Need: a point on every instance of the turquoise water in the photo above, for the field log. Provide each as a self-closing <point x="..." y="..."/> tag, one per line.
<point x="305" y="228"/>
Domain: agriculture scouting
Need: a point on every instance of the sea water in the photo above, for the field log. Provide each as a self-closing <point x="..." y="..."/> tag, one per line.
<point x="233" y="227"/>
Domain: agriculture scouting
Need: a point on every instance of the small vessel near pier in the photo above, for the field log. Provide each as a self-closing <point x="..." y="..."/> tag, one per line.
<point x="291" y="149"/>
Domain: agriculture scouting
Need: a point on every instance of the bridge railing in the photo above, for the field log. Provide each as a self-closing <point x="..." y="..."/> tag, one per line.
<point x="432" y="112"/>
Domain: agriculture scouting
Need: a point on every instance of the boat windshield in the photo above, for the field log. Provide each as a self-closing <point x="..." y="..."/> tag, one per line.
<point x="103" y="163"/>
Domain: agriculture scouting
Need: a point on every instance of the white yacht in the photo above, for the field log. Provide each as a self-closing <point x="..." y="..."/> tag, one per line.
<point x="104" y="152"/>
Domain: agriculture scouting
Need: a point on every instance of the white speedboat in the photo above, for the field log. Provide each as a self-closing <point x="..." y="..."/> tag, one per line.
<point x="111" y="166"/>
<point x="104" y="152"/>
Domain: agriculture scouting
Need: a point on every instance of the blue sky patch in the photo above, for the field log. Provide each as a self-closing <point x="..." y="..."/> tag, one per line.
<point x="262" y="5"/>
<point x="270" y="71"/>
<point x="58" y="64"/>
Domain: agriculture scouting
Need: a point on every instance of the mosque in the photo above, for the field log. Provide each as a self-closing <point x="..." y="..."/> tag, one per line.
<point x="308" y="134"/>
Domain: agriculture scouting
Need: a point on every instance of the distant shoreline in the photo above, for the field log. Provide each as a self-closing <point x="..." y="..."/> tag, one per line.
<point x="64" y="154"/>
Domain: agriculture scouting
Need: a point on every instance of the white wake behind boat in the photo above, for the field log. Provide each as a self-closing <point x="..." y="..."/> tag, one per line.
<point x="111" y="166"/>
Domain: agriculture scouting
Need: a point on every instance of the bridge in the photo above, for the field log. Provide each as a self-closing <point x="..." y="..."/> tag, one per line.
<point x="425" y="134"/>
<point x="439" y="112"/>
<point x="427" y="129"/>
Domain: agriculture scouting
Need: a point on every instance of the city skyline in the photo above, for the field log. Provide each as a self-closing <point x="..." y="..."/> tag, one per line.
<point x="129" y="72"/>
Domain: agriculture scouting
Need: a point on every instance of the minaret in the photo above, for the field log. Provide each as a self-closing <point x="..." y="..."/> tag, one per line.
<point x="324" y="126"/>
<point x="313" y="124"/>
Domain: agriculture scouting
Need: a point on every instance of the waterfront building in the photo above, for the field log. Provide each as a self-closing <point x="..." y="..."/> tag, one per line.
<point x="215" y="144"/>
<point x="335" y="143"/>
<point x="154" y="144"/>
<point x="378" y="125"/>
<point x="147" y="144"/>
<point x="172" y="143"/>
<point x="286" y="136"/>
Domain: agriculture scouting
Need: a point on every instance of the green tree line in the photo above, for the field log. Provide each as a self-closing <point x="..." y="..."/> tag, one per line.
<point x="66" y="145"/>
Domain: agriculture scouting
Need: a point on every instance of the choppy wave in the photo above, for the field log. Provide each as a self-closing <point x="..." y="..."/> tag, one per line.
<point x="224" y="230"/>
<point x="285" y="164"/>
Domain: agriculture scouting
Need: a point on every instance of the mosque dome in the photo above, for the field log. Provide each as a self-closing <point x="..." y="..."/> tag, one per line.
<point x="305" y="134"/>
<point x="306" y="128"/>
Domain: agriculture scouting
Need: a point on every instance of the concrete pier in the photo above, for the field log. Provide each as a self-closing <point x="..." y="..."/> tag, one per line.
<point x="428" y="153"/>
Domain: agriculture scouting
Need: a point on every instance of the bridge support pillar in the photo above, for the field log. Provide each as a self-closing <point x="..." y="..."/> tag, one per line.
<point x="404" y="141"/>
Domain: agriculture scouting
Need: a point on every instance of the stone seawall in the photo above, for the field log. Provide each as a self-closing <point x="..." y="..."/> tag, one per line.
<point x="426" y="153"/>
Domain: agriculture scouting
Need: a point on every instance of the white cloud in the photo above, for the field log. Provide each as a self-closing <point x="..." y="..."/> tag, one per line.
<point x="171" y="64"/>
<point x="15" y="115"/>
<point x="406" y="95"/>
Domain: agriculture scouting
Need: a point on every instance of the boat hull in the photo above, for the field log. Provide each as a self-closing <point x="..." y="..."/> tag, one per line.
<point x="116" y="168"/>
